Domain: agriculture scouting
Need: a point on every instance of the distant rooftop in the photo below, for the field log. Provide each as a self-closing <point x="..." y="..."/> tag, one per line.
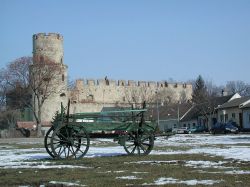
<point x="234" y="103"/>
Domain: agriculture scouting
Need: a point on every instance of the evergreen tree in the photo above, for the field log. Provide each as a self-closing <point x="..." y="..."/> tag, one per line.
<point x="200" y="94"/>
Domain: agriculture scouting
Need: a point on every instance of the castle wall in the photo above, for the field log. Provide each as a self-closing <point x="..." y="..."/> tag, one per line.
<point x="91" y="95"/>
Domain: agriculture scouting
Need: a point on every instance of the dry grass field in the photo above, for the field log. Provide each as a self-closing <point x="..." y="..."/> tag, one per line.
<point x="180" y="160"/>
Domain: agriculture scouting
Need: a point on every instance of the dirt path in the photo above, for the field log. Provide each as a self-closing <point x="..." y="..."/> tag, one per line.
<point x="21" y="140"/>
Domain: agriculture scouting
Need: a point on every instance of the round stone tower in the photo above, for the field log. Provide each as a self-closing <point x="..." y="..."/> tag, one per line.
<point x="48" y="47"/>
<point x="48" y="66"/>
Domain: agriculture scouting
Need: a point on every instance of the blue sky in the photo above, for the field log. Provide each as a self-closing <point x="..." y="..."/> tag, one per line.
<point x="135" y="39"/>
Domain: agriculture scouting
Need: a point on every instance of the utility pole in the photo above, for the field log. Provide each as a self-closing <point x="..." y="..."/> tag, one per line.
<point x="157" y="108"/>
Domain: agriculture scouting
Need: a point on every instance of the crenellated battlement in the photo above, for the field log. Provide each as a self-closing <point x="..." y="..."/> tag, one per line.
<point x="80" y="83"/>
<point x="47" y="35"/>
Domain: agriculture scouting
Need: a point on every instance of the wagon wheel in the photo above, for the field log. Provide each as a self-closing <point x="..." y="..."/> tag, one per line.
<point x="139" y="143"/>
<point x="70" y="141"/>
<point x="47" y="141"/>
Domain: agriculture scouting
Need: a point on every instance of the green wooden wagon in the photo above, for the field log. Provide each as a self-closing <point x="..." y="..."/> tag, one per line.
<point x="69" y="136"/>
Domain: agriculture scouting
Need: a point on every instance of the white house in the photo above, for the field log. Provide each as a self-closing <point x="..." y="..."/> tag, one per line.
<point x="246" y="114"/>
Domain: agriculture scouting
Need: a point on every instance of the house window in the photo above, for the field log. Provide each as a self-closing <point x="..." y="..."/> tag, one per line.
<point x="226" y="117"/>
<point x="175" y="124"/>
<point x="221" y="118"/>
<point x="249" y="118"/>
<point x="233" y="115"/>
<point x="184" y="125"/>
<point x="193" y="124"/>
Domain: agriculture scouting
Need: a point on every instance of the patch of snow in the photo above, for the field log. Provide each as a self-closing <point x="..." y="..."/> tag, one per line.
<point x="234" y="172"/>
<point x="119" y="171"/>
<point x="237" y="172"/>
<point x="104" y="172"/>
<point x="202" y="139"/>
<point x="170" y="180"/>
<point x="128" y="177"/>
<point x="196" y="143"/>
<point x="139" y="172"/>
<point x="37" y="165"/>
<point x="105" y="151"/>
<point x="18" y="158"/>
<point x="154" y="162"/>
<point x="66" y="183"/>
<point x="205" y="164"/>
<point x="233" y="152"/>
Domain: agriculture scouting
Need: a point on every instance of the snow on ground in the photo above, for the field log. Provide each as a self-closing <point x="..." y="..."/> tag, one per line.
<point x="204" y="139"/>
<point x="206" y="164"/>
<point x="228" y="146"/>
<point x="128" y="177"/>
<point x="206" y="143"/>
<point x="66" y="183"/>
<point x="164" y="181"/>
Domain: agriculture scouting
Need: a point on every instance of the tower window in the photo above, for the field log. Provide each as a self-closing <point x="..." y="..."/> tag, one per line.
<point x="90" y="97"/>
<point x="41" y="59"/>
<point x="62" y="94"/>
<point x="63" y="77"/>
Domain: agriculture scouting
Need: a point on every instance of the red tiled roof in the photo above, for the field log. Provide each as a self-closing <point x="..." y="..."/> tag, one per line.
<point x="32" y="124"/>
<point x="26" y="124"/>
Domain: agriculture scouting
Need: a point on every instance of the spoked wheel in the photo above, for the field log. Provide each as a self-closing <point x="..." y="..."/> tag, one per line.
<point x="70" y="141"/>
<point x="139" y="143"/>
<point x="47" y="141"/>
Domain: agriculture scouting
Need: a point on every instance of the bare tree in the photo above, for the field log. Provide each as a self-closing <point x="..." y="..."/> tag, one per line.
<point x="165" y="96"/>
<point x="238" y="87"/>
<point x="3" y="90"/>
<point x="138" y="94"/>
<point x="44" y="80"/>
<point x="31" y="84"/>
<point x="15" y="78"/>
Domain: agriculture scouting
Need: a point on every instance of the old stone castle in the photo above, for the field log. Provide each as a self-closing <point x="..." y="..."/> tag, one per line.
<point x="92" y="95"/>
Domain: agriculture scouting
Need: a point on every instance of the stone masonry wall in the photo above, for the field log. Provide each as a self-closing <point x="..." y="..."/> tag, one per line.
<point x="92" y="95"/>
